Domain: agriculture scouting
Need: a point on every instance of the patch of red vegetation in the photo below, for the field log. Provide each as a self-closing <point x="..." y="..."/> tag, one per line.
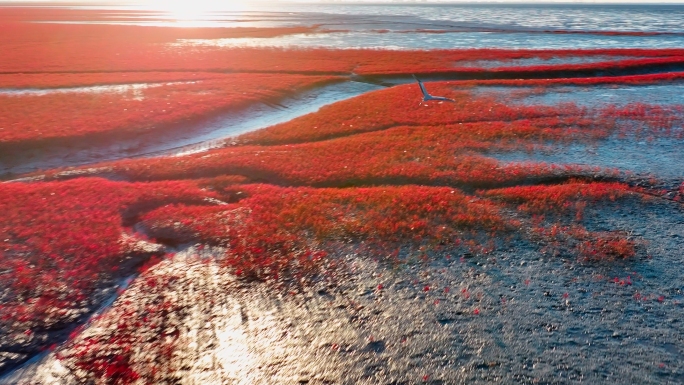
<point x="508" y="31"/>
<point x="625" y="64"/>
<point x="30" y="119"/>
<point x="400" y="105"/>
<point x="27" y="32"/>
<point x="50" y="47"/>
<point x="576" y="241"/>
<point x="387" y="137"/>
<point x="444" y="155"/>
<point x="58" y="241"/>
<point x="109" y="356"/>
<point x="648" y="120"/>
<point x="373" y="150"/>
<point x="46" y="13"/>
<point x="272" y="229"/>
<point x="569" y="198"/>
<point x="447" y="61"/>
<point x="558" y="198"/>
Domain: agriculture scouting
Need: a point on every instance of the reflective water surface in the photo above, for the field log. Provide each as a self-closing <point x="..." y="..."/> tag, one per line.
<point x="191" y="137"/>
<point x="405" y="26"/>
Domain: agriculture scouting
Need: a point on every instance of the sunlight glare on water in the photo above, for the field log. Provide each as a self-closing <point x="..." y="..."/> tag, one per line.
<point x="516" y="26"/>
<point x="401" y="40"/>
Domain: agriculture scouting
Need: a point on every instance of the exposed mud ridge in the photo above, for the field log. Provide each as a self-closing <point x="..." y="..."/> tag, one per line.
<point x="504" y="74"/>
<point x="261" y="176"/>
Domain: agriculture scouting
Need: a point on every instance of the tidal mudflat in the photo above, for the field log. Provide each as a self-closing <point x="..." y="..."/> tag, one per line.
<point x="210" y="214"/>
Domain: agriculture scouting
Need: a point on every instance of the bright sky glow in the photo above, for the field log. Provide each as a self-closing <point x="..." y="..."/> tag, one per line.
<point x="212" y="5"/>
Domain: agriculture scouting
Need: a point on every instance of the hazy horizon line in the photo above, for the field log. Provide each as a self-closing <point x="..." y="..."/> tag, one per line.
<point x="115" y="2"/>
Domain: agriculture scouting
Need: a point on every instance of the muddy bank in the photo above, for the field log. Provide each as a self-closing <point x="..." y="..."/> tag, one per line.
<point x="192" y="136"/>
<point x="507" y="74"/>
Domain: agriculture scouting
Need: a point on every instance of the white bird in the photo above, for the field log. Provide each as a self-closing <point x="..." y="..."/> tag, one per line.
<point x="427" y="96"/>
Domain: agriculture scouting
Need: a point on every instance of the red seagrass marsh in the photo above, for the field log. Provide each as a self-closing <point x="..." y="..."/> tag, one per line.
<point x="215" y="197"/>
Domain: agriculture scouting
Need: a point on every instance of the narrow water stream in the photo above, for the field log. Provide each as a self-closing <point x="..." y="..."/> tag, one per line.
<point x="194" y="137"/>
<point x="32" y="367"/>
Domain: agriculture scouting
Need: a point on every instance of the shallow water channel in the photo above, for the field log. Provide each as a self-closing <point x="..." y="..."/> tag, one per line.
<point x="193" y="137"/>
<point x="664" y="94"/>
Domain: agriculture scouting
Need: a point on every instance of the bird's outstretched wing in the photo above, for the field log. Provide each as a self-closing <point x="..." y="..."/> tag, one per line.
<point x="441" y="98"/>
<point x="422" y="87"/>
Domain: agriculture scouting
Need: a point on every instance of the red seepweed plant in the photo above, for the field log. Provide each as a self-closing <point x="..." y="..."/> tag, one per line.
<point x="272" y="229"/>
<point x="560" y="198"/>
<point x="60" y="241"/>
<point x="570" y="198"/>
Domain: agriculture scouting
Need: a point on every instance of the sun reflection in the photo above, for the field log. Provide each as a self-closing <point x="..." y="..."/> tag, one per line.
<point x="186" y="10"/>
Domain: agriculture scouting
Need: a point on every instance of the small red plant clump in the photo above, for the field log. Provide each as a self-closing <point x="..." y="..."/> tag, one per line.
<point x="609" y="246"/>
<point x="577" y="240"/>
<point x="559" y="198"/>
<point x="571" y="197"/>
